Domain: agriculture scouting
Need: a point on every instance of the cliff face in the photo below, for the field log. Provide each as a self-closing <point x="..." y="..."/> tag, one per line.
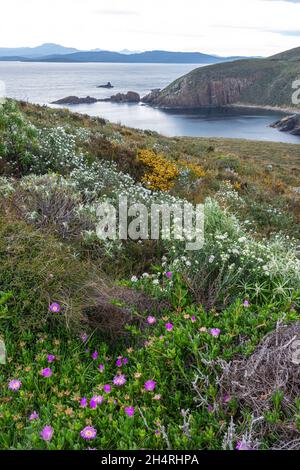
<point x="212" y="93"/>
<point x="255" y="82"/>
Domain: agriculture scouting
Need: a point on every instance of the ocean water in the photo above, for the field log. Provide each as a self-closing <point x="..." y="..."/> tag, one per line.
<point x="43" y="83"/>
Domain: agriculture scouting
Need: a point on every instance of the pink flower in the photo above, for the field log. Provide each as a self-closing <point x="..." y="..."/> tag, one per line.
<point x="107" y="388"/>
<point x="15" y="385"/>
<point x="169" y="275"/>
<point x="47" y="433"/>
<point x="84" y="337"/>
<point x="226" y="398"/>
<point x="120" y="380"/>
<point x="242" y="445"/>
<point x="51" y="358"/>
<point x="47" y="372"/>
<point x="125" y="361"/>
<point x="119" y="363"/>
<point x="33" y="416"/>
<point x="83" y="402"/>
<point x="55" y="308"/>
<point x="215" y="332"/>
<point x="193" y="319"/>
<point x="151" y="320"/>
<point x="95" y="355"/>
<point x="101" y="367"/>
<point x="88" y="433"/>
<point x="169" y="326"/>
<point x="246" y="303"/>
<point x="95" y="401"/>
<point x="150" y="386"/>
<point x="129" y="411"/>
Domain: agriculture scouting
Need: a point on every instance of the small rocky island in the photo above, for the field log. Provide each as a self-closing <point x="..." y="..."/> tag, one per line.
<point x="108" y="85"/>
<point x="289" y="124"/>
<point x="129" y="97"/>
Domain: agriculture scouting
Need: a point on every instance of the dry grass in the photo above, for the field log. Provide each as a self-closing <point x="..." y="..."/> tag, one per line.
<point x="109" y="307"/>
<point x="273" y="370"/>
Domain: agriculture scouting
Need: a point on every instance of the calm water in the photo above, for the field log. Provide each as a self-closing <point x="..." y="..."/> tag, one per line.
<point x="44" y="83"/>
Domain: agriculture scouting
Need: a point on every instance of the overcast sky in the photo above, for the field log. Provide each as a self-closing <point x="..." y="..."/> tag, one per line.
<point x="224" y="27"/>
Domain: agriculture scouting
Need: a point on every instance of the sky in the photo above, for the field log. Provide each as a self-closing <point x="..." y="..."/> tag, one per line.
<point x="222" y="27"/>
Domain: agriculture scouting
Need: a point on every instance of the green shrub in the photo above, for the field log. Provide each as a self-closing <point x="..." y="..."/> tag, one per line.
<point x="17" y="140"/>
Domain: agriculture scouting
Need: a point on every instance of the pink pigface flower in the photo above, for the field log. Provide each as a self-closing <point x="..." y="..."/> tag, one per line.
<point x="55" y="308"/>
<point x="151" y="320"/>
<point x="95" y="401"/>
<point x="215" y="332"/>
<point x="150" y="385"/>
<point x="47" y="433"/>
<point x="107" y="388"/>
<point x="101" y="367"/>
<point x="169" y="326"/>
<point x="226" y="398"/>
<point x="88" y="433"/>
<point x="83" y="402"/>
<point x="120" y="380"/>
<point x="169" y="275"/>
<point x="34" y="416"/>
<point x="47" y="372"/>
<point x="51" y="358"/>
<point x="119" y="362"/>
<point x="242" y="445"/>
<point x="129" y="411"/>
<point x="95" y="355"/>
<point x="15" y="385"/>
<point x="84" y="337"/>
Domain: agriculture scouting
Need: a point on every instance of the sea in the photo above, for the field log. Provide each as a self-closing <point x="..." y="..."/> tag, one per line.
<point x="43" y="83"/>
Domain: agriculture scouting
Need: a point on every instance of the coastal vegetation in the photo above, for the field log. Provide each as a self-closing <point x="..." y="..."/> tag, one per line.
<point x="137" y="344"/>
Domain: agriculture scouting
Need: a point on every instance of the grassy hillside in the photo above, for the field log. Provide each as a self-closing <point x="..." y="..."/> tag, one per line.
<point x="136" y="344"/>
<point x="262" y="82"/>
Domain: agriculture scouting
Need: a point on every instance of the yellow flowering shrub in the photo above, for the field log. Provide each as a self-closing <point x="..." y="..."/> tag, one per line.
<point x="196" y="170"/>
<point x="161" y="174"/>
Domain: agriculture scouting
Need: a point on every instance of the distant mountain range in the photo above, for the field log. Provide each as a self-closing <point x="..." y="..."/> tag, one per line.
<point x="35" y="52"/>
<point x="57" y="53"/>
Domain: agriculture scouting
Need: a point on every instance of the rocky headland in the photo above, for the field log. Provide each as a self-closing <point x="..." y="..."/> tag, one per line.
<point x="289" y="124"/>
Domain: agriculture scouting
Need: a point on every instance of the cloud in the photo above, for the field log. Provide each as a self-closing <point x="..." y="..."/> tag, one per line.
<point x="290" y="33"/>
<point x="115" y="12"/>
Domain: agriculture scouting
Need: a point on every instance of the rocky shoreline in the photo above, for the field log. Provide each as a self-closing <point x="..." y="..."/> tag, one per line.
<point x="129" y="97"/>
<point x="290" y="124"/>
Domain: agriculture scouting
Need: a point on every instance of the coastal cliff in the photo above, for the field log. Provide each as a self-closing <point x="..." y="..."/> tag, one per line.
<point x="255" y="82"/>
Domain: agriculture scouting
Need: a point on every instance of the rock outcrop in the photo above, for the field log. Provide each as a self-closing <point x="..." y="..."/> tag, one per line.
<point x="129" y="97"/>
<point x="207" y="93"/>
<point x="108" y="85"/>
<point x="152" y="96"/>
<point x="72" y="100"/>
<point x="289" y="124"/>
